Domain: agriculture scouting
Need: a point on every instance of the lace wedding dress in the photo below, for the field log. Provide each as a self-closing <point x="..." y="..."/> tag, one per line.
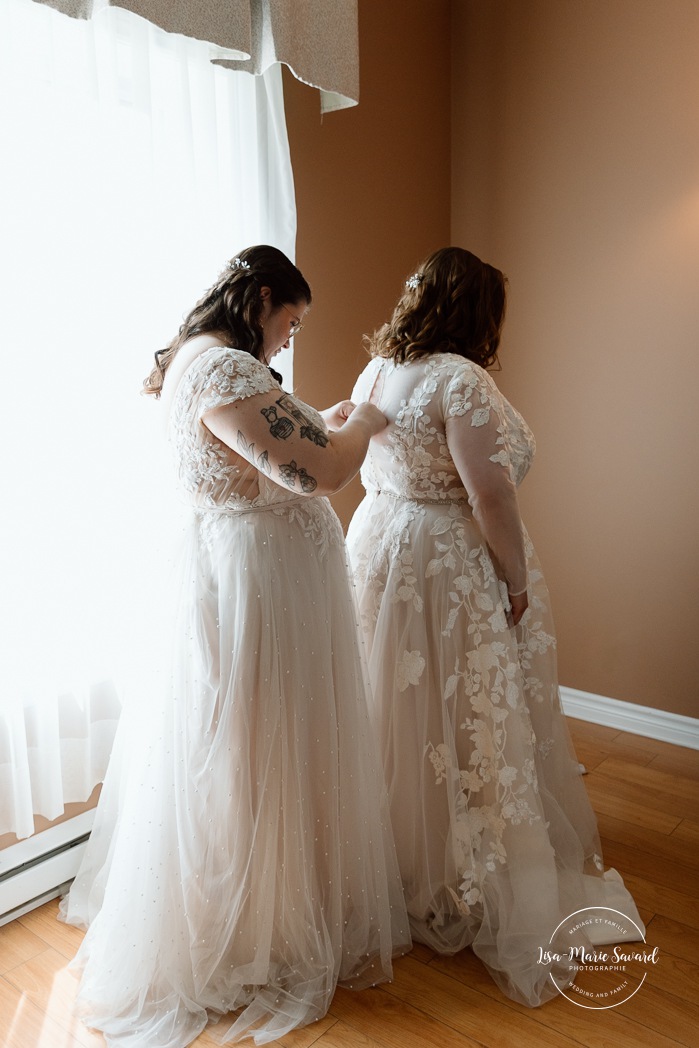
<point x="241" y="855"/>
<point x="497" y="842"/>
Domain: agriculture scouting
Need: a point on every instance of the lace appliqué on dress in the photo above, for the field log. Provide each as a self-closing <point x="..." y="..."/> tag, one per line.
<point x="419" y="448"/>
<point x="473" y="390"/>
<point x="205" y="471"/>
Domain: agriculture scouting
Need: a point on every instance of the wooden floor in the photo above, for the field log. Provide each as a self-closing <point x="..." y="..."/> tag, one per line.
<point x="646" y="795"/>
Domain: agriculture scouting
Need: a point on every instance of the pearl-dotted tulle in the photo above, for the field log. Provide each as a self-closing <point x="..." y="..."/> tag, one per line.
<point x="241" y="857"/>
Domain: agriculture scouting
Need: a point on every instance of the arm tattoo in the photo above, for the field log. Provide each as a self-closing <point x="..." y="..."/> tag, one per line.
<point x="281" y="428"/>
<point x="264" y="464"/>
<point x="290" y="473"/>
<point x="308" y="428"/>
<point x="248" y="449"/>
<point x="261" y="461"/>
<point x="316" y="435"/>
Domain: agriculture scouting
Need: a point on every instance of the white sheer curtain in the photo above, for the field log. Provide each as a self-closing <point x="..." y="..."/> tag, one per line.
<point x="132" y="169"/>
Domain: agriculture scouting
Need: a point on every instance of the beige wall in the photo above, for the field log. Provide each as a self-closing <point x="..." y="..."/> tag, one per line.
<point x="574" y="150"/>
<point x="576" y="170"/>
<point x="372" y="191"/>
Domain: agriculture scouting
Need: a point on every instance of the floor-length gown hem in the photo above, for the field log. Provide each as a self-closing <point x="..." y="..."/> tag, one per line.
<point x="241" y="855"/>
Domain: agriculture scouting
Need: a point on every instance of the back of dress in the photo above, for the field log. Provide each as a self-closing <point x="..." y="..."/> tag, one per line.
<point x="495" y="836"/>
<point x="411" y="458"/>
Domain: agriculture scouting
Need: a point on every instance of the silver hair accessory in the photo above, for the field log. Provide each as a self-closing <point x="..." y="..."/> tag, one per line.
<point x="238" y="263"/>
<point x="414" y="281"/>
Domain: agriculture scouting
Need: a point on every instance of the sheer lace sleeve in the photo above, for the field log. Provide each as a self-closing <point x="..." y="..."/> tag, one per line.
<point x="251" y="415"/>
<point x="230" y="375"/>
<point x="474" y="424"/>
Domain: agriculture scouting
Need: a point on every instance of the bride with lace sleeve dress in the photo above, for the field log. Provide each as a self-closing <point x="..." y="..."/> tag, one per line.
<point x="497" y="842"/>
<point x="242" y="857"/>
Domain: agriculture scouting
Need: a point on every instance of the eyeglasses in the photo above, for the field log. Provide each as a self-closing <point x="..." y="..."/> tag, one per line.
<point x="296" y="324"/>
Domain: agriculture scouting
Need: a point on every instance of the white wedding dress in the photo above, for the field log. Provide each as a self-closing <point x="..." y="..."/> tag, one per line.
<point x="497" y="842"/>
<point x="241" y="856"/>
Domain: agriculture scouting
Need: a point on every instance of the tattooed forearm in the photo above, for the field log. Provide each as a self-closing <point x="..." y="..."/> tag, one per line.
<point x="261" y="461"/>
<point x="264" y="464"/>
<point x="248" y="449"/>
<point x="308" y="427"/>
<point x="281" y="428"/>
<point x="290" y="473"/>
<point x="316" y="435"/>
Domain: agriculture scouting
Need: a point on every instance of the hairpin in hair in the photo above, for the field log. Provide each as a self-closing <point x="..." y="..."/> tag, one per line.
<point x="238" y="263"/>
<point x="414" y="281"/>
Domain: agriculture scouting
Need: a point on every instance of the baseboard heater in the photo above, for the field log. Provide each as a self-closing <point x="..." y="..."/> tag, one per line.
<point x="42" y="867"/>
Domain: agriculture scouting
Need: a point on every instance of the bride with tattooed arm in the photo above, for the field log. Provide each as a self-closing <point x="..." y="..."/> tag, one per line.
<point x="241" y="856"/>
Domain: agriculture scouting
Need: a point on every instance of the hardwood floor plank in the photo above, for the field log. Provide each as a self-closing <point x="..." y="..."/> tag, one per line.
<point x="657" y="746"/>
<point x="614" y="1026"/>
<point x="662" y="872"/>
<point x="666" y="846"/>
<point x="671" y="787"/>
<point x="676" y="976"/>
<point x="659" y="1014"/>
<point x="24" y="1025"/>
<point x="17" y="945"/>
<point x="684" y="762"/>
<point x="395" y="1023"/>
<point x="674" y="937"/>
<point x="592" y="754"/>
<point x="687" y="831"/>
<point x="343" y="1036"/>
<point x="45" y="981"/>
<point x="303" y="1038"/>
<point x="609" y="797"/>
<point x="662" y="900"/>
<point x="492" y="1023"/>
<point x="423" y="953"/>
<point x="600" y="733"/>
<point x="44" y="923"/>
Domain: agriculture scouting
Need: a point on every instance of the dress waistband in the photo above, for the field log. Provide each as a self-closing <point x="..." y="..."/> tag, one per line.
<point x="233" y="511"/>
<point x="420" y="501"/>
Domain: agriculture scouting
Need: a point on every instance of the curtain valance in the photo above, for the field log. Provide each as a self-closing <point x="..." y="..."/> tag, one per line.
<point x="316" y="39"/>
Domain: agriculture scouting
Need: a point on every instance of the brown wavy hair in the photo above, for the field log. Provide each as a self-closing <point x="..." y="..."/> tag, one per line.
<point x="233" y="307"/>
<point x="453" y="303"/>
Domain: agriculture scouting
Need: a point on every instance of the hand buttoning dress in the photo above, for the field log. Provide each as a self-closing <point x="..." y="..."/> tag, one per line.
<point x="242" y="855"/>
<point x="496" y="838"/>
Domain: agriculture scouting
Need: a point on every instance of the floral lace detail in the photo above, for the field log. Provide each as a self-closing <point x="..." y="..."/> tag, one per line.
<point x="409" y="670"/>
<point x="232" y="374"/>
<point x="489" y="680"/>
<point x="477" y="699"/>
<point x="419" y="448"/>
<point x="473" y="390"/>
<point x="413" y="460"/>
<point x="317" y="520"/>
<point x="204" y="468"/>
<point x="373" y="564"/>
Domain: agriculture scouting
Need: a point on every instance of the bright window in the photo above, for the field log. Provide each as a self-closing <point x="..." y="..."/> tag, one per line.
<point x="132" y="169"/>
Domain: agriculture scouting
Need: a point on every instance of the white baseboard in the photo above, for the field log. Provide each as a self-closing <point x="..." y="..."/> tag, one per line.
<point x="628" y="716"/>
<point x="42" y="867"/>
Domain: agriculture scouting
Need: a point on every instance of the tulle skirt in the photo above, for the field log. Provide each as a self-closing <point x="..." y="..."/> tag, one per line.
<point x="497" y="842"/>
<point x="241" y="856"/>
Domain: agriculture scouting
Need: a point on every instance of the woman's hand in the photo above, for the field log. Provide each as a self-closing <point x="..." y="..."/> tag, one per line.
<point x="336" y="416"/>
<point x="371" y="416"/>
<point x="518" y="605"/>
